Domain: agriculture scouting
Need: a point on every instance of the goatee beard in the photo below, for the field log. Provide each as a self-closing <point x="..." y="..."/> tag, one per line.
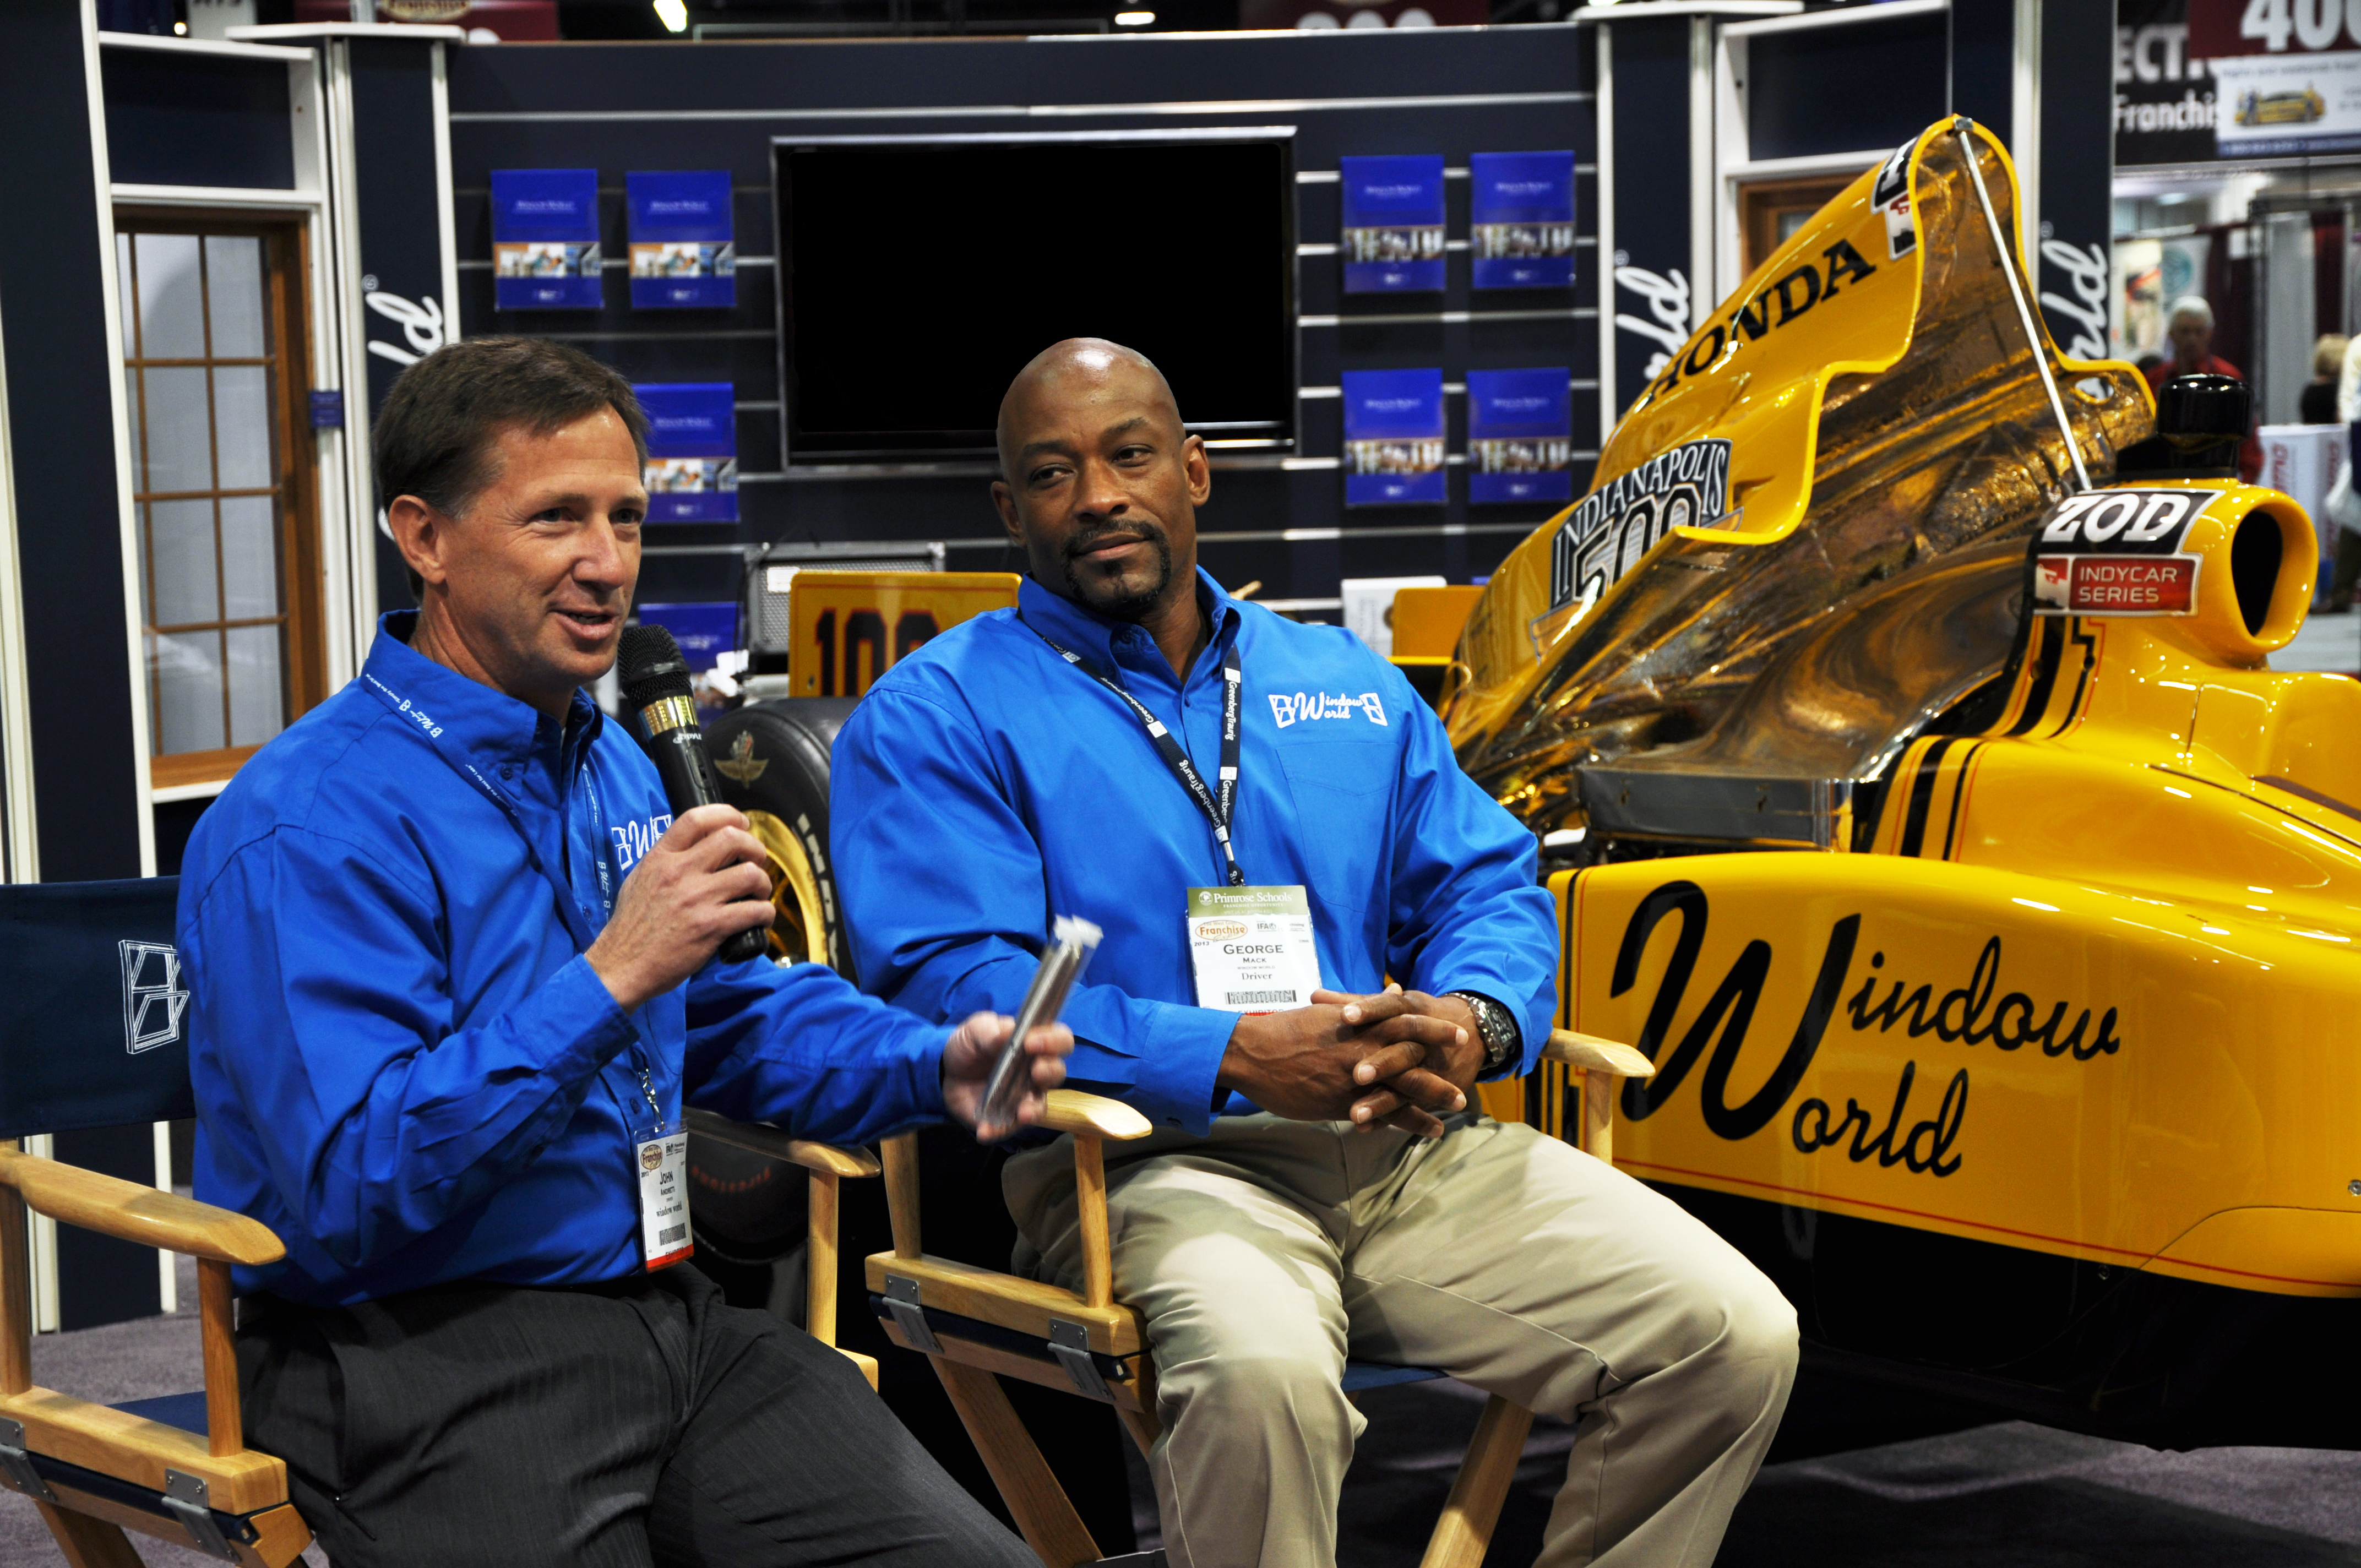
<point x="1104" y="597"/>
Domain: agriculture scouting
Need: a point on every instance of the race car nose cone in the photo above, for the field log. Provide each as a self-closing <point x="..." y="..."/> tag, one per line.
<point x="2212" y="408"/>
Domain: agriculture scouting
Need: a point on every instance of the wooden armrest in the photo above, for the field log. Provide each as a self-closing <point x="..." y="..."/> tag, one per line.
<point x="131" y="1213"/>
<point x="131" y="1448"/>
<point x="1071" y="1110"/>
<point x="755" y="1138"/>
<point x="1009" y="1301"/>
<point x="1590" y="1051"/>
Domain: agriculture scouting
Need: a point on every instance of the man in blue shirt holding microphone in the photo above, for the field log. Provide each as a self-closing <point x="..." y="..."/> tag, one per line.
<point x="1266" y="822"/>
<point x="454" y="980"/>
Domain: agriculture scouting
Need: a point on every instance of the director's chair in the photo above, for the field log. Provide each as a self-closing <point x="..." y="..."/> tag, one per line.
<point x="975" y="1325"/>
<point x="93" y="1006"/>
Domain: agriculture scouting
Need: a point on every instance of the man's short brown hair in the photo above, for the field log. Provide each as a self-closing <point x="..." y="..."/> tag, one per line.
<point x="434" y="437"/>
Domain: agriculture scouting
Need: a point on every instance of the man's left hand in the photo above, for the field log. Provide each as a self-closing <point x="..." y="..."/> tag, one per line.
<point x="1412" y="1082"/>
<point x="968" y="1058"/>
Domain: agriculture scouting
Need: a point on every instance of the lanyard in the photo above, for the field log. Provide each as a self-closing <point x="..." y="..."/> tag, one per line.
<point x="1217" y="809"/>
<point x="560" y="880"/>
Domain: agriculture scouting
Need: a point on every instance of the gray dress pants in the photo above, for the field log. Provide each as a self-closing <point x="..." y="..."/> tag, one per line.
<point x="639" y="1424"/>
<point x="1264" y="1256"/>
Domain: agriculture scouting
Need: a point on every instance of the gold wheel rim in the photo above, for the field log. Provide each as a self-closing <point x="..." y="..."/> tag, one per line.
<point x="797" y="933"/>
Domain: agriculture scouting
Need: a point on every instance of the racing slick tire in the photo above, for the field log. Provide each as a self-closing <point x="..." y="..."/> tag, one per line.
<point x="773" y="759"/>
<point x="773" y="762"/>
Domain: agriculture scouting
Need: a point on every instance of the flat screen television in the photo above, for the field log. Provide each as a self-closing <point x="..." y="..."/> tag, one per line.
<point x="916" y="275"/>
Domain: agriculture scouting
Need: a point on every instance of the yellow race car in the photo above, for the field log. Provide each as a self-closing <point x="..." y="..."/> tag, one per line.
<point x="1897" y="714"/>
<point x="2290" y="108"/>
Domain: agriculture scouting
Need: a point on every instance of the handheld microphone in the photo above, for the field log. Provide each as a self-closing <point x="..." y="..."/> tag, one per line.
<point x="655" y="681"/>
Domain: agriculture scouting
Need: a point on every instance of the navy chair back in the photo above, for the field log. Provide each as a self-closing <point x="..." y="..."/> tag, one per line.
<point x="94" y="1010"/>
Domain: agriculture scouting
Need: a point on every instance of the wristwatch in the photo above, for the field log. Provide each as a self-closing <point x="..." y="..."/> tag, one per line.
<point x="1503" y="1041"/>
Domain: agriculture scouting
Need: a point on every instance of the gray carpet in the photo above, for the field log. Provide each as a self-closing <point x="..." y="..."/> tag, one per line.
<point x="2007" y="1495"/>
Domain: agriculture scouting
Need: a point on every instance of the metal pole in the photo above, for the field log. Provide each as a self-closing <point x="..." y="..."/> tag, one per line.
<point x="1960" y="126"/>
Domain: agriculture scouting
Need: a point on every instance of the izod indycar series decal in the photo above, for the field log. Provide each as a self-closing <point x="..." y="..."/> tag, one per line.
<point x="2116" y="552"/>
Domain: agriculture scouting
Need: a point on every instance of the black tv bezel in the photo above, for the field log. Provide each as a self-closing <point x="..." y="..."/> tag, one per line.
<point x="1278" y="437"/>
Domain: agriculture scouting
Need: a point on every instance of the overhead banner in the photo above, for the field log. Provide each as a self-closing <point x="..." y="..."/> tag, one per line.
<point x="682" y="254"/>
<point x="1520" y="220"/>
<point x="1393" y="224"/>
<point x="545" y="239"/>
<point x="2163" y="95"/>
<point x="1520" y="436"/>
<point x="1394" y="434"/>
<point x="692" y="451"/>
<point x="2287" y="105"/>
<point x="2197" y="81"/>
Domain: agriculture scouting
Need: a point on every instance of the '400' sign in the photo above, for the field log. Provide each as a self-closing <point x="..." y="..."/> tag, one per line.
<point x="1895" y="1011"/>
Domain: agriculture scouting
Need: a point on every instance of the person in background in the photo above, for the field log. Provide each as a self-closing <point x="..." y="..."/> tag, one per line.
<point x="2348" y="542"/>
<point x="2317" y="403"/>
<point x="2189" y="326"/>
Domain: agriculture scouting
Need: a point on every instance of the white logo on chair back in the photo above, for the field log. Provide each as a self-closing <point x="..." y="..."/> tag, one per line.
<point x="153" y="997"/>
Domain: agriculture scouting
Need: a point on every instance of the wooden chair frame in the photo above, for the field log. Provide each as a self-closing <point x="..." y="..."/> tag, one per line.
<point x="216" y="1478"/>
<point x="1097" y="1347"/>
<point x="828" y="1163"/>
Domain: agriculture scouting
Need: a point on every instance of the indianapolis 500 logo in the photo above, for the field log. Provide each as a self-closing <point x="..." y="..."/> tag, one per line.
<point x="1607" y="533"/>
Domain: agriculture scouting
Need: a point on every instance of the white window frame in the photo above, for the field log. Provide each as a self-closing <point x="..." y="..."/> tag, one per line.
<point x="322" y="200"/>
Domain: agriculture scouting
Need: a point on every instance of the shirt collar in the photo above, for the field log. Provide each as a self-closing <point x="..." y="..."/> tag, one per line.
<point x="1092" y="635"/>
<point x="465" y="717"/>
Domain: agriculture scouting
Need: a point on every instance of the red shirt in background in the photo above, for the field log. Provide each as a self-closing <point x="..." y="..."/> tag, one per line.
<point x="2250" y="451"/>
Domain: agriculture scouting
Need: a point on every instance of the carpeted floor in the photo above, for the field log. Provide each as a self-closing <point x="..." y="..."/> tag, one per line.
<point x="2007" y="1495"/>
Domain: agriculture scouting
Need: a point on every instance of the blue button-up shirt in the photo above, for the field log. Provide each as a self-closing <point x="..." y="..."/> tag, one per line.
<point x="985" y="786"/>
<point x="403" y="1064"/>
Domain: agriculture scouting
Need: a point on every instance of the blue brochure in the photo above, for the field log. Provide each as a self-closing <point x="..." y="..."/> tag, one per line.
<point x="692" y="451"/>
<point x="1393" y="438"/>
<point x="682" y="257"/>
<point x="704" y="631"/>
<point x="545" y="239"/>
<point x="1520" y="436"/>
<point x="1520" y="220"/>
<point x="1393" y="224"/>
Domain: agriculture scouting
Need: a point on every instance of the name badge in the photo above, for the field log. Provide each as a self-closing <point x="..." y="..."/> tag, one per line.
<point x="663" y="1200"/>
<point x="1252" y="949"/>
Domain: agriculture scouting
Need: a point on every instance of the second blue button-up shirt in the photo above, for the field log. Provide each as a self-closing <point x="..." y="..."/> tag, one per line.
<point x="985" y="786"/>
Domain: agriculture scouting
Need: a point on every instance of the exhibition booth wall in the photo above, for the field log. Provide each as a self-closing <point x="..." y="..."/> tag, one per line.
<point x="373" y="158"/>
<point x="1276" y="515"/>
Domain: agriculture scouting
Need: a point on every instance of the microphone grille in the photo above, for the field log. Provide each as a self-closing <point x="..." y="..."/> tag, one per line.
<point x="648" y="666"/>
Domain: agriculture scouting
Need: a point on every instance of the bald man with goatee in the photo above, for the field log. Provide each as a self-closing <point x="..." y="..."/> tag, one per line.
<point x="1267" y="823"/>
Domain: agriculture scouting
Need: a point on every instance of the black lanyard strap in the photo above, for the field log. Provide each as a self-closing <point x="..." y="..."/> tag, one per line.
<point x="1217" y="806"/>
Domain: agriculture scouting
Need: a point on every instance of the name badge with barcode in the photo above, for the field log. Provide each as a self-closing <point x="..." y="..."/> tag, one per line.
<point x="663" y="1200"/>
<point x="1252" y="949"/>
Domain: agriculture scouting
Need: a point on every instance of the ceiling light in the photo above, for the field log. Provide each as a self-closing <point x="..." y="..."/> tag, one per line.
<point x="673" y="15"/>
<point x="1133" y="18"/>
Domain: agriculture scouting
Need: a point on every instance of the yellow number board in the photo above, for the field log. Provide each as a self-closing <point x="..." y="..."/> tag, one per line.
<point x="849" y="628"/>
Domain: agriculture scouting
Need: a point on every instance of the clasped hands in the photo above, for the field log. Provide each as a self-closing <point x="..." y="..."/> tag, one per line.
<point x="1399" y="1059"/>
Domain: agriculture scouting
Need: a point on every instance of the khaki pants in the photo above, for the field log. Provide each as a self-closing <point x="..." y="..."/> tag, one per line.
<point x="1266" y="1255"/>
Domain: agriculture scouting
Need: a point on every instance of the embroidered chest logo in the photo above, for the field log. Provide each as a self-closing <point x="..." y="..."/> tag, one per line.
<point x="1289" y="707"/>
<point x="153" y="997"/>
<point x="634" y="840"/>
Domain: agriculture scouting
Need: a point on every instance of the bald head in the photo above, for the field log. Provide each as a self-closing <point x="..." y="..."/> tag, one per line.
<point x="1100" y="482"/>
<point x="1075" y="376"/>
